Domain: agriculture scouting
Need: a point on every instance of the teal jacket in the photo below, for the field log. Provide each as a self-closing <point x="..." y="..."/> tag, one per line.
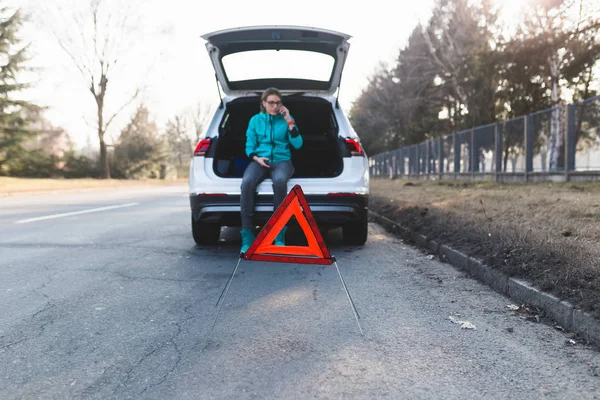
<point x="269" y="136"/>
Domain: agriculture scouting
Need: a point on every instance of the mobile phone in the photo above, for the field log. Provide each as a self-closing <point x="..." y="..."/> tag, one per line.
<point x="282" y="112"/>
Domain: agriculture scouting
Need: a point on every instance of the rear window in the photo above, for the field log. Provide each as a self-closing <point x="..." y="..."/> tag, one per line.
<point x="286" y="64"/>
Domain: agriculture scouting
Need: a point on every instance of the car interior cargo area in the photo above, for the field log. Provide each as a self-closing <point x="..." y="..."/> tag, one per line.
<point x="321" y="155"/>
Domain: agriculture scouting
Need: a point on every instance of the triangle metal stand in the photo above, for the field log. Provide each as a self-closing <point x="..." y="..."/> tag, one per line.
<point x="221" y="299"/>
<point x="354" y="310"/>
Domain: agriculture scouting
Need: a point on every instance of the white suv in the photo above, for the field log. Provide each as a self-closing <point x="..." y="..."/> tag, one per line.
<point x="306" y="65"/>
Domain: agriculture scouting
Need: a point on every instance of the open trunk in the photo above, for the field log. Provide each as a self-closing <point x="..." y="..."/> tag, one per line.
<point x="321" y="155"/>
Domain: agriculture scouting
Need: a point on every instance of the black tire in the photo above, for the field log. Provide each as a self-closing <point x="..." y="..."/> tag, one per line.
<point x="355" y="233"/>
<point x="205" y="233"/>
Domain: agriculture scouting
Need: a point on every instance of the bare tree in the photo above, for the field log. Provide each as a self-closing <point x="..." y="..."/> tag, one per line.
<point x="178" y="137"/>
<point x="97" y="38"/>
<point x="563" y="27"/>
<point x="199" y="115"/>
<point x="183" y="131"/>
<point x="463" y="39"/>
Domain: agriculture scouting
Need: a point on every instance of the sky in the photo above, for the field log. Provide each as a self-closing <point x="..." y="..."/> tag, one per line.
<point x="168" y="56"/>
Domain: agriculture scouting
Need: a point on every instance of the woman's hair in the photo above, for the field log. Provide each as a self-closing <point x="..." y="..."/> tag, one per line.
<point x="267" y="93"/>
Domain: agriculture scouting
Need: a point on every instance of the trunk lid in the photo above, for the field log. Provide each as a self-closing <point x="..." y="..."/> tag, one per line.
<point x="290" y="58"/>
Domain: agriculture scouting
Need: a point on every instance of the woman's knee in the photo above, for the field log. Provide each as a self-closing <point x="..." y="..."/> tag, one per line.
<point x="279" y="182"/>
<point x="248" y="185"/>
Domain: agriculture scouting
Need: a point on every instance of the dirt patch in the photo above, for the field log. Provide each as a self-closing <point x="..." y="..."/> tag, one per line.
<point x="546" y="233"/>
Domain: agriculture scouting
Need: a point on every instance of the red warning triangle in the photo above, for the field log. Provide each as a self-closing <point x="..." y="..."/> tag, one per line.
<point x="262" y="249"/>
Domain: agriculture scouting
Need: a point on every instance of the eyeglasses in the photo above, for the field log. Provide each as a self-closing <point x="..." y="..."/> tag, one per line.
<point x="274" y="103"/>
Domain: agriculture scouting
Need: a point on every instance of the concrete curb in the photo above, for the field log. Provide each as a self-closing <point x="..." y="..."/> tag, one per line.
<point x="562" y="312"/>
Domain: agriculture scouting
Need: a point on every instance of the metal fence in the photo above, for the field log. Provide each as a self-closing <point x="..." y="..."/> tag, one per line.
<point x="560" y="143"/>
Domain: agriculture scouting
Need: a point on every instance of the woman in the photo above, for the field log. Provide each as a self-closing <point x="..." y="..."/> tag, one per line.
<point x="268" y="138"/>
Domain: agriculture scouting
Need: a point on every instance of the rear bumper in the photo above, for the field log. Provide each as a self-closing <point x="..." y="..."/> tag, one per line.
<point x="329" y="210"/>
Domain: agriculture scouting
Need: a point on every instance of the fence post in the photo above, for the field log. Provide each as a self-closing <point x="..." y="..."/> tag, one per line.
<point x="402" y="161"/>
<point x="525" y="145"/>
<point x="405" y="161"/>
<point x="567" y="141"/>
<point x="498" y="149"/>
<point x="570" y="140"/>
<point x="427" y="156"/>
<point x="441" y="157"/>
<point x="418" y="160"/>
<point x="375" y="162"/>
<point x="528" y="146"/>
<point x="456" y="145"/>
<point x="413" y="164"/>
<point x="495" y="158"/>
<point x="472" y="154"/>
<point x="573" y="137"/>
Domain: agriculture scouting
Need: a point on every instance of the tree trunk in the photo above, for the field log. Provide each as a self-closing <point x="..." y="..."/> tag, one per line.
<point x="555" y="126"/>
<point x="104" y="164"/>
<point x="544" y="157"/>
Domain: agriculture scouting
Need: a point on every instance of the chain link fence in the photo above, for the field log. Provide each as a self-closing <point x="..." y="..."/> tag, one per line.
<point x="586" y="135"/>
<point x="559" y="143"/>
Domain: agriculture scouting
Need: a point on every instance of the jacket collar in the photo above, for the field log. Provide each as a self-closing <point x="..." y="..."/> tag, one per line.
<point x="269" y="117"/>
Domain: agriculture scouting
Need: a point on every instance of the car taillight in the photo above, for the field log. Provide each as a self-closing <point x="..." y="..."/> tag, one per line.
<point x="354" y="147"/>
<point x="202" y="148"/>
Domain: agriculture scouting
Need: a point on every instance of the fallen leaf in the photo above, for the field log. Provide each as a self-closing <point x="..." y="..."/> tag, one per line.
<point x="463" y="324"/>
<point x="467" y="325"/>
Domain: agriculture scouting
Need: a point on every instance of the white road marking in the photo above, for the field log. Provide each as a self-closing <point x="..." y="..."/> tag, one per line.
<point x="91" y="210"/>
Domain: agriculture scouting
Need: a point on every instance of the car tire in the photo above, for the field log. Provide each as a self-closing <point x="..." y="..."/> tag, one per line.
<point x="205" y="233"/>
<point x="355" y="233"/>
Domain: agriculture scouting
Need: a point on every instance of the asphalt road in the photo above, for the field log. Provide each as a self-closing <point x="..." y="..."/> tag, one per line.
<point x="104" y="295"/>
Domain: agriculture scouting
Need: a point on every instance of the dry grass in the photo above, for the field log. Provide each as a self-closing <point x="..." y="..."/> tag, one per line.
<point x="11" y="186"/>
<point x="548" y="233"/>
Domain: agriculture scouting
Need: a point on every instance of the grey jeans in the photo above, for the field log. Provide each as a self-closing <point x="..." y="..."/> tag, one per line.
<point x="280" y="173"/>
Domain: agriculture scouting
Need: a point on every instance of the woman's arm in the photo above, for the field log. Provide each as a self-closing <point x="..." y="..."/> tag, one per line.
<point x="294" y="135"/>
<point x="251" y="139"/>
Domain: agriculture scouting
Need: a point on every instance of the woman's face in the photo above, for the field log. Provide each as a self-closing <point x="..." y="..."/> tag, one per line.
<point x="272" y="104"/>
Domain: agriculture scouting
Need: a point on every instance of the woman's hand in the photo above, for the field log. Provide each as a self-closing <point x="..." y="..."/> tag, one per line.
<point x="262" y="161"/>
<point x="285" y="113"/>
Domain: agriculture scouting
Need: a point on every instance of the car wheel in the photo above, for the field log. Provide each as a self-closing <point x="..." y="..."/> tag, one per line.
<point x="355" y="233"/>
<point x="205" y="233"/>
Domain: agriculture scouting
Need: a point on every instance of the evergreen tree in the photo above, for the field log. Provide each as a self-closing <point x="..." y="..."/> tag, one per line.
<point x="13" y="122"/>
<point x="140" y="151"/>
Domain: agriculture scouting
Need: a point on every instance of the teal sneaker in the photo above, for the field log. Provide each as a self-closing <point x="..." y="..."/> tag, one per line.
<point x="280" y="238"/>
<point x="247" y="239"/>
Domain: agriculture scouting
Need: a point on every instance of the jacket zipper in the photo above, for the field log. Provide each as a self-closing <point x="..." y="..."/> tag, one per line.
<point x="272" y="139"/>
